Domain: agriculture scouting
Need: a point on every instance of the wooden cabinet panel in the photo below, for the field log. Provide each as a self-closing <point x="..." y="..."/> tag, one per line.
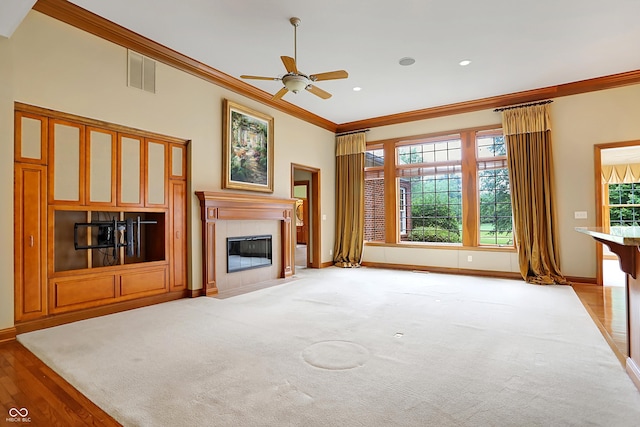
<point x="130" y="171"/>
<point x="82" y="292"/>
<point x="156" y="174"/>
<point x="31" y="138"/>
<point x="178" y="235"/>
<point x="30" y="241"/>
<point x="143" y="282"/>
<point x="178" y="169"/>
<point x="66" y="162"/>
<point x="101" y="168"/>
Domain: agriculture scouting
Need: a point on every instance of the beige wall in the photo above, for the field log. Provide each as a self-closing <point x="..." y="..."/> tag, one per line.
<point x="50" y="64"/>
<point x="6" y="185"/>
<point x="579" y="122"/>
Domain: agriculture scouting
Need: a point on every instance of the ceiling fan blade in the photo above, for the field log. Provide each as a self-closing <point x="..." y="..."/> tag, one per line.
<point x="279" y="94"/>
<point x="331" y="75"/>
<point x="259" y="77"/>
<point x="289" y="64"/>
<point x="318" y="92"/>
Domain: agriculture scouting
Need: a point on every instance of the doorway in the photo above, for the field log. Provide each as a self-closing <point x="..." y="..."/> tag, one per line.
<point x="617" y="171"/>
<point x="617" y="177"/>
<point x="305" y="188"/>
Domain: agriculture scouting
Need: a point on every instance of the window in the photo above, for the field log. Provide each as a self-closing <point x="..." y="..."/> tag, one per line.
<point x="450" y="189"/>
<point x="496" y="219"/>
<point x="433" y="169"/>
<point x="624" y="205"/>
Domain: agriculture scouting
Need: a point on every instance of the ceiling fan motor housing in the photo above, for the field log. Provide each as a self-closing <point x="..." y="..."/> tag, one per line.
<point x="295" y="82"/>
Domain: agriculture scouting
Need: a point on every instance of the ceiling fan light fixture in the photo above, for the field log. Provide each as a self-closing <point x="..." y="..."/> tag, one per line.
<point x="295" y="83"/>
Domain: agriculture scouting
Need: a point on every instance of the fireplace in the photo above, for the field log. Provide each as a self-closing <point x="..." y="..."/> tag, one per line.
<point x="218" y="209"/>
<point x="247" y="252"/>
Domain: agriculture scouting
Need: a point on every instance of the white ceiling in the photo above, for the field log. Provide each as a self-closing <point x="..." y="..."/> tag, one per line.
<point x="514" y="45"/>
<point x="12" y="12"/>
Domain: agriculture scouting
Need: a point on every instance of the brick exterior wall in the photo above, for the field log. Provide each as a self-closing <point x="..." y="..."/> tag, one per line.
<point x="374" y="209"/>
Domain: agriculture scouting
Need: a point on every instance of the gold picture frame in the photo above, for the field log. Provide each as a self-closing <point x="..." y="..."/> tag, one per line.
<point x="247" y="159"/>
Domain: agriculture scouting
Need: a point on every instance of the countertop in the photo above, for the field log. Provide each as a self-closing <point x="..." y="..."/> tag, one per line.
<point x="626" y="236"/>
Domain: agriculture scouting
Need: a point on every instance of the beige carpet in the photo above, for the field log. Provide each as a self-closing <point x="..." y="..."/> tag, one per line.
<point x="352" y="347"/>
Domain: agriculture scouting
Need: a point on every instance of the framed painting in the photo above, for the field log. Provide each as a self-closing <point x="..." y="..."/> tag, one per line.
<point x="247" y="149"/>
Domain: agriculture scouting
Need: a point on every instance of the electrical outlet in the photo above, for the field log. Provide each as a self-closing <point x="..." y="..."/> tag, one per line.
<point x="469" y="258"/>
<point x="330" y="251"/>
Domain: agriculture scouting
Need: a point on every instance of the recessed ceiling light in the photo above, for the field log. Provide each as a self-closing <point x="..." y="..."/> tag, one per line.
<point x="357" y="89"/>
<point x="406" y="61"/>
<point x="465" y="63"/>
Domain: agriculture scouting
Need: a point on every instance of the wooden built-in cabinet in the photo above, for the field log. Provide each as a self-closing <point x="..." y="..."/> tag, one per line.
<point x="30" y="213"/>
<point x="79" y="183"/>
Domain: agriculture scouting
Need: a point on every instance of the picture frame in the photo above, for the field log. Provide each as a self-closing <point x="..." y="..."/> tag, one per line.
<point x="247" y="160"/>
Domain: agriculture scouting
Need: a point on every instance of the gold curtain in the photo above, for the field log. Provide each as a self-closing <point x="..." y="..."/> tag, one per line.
<point x="531" y="178"/>
<point x="350" y="151"/>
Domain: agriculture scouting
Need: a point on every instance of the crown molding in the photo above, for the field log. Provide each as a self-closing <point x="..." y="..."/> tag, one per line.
<point x="82" y="19"/>
<point x="574" y="88"/>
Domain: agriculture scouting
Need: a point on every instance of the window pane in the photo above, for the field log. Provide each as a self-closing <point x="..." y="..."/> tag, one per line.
<point x="627" y="216"/>
<point x="441" y="149"/>
<point x="374" y="158"/>
<point x="434" y="213"/>
<point x="491" y="146"/>
<point x="496" y="223"/>
<point x="624" y="200"/>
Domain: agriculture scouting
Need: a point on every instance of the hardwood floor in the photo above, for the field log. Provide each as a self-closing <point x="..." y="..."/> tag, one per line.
<point x="607" y="306"/>
<point x="27" y="384"/>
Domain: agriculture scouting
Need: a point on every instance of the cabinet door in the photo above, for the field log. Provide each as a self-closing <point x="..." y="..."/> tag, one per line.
<point x="178" y="235"/>
<point x="156" y="174"/>
<point x="101" y="167"/>
<point x="66" y="162"/>
<point x="130" y="182"/>
<point x="30" y="218"/>
<point x="31" y="138"/>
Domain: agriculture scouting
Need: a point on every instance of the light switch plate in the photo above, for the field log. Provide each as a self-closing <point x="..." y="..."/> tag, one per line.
<point x="580" y="215"/>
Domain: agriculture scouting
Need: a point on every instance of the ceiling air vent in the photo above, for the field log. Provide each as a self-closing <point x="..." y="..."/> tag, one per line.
<point x="142" y="72"/>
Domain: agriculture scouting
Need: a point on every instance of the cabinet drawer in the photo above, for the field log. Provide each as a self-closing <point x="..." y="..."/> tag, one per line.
<point x="141" y="283"/>
<point x="82" y="292"/>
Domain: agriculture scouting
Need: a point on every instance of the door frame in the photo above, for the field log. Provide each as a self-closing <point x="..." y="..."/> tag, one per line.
<point x="597" y="159"/>
<point x="314" y="216"/>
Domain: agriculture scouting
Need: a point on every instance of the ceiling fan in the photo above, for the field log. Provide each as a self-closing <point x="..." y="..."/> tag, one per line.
<point x="295" y="81"/>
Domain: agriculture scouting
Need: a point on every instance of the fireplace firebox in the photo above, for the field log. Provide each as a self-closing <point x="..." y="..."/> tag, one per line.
<point x="247" y="252"/>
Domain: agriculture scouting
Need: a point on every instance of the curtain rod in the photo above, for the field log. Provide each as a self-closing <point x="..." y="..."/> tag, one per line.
<point x="352" y="132"/>
<point x="548" y="101"/>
